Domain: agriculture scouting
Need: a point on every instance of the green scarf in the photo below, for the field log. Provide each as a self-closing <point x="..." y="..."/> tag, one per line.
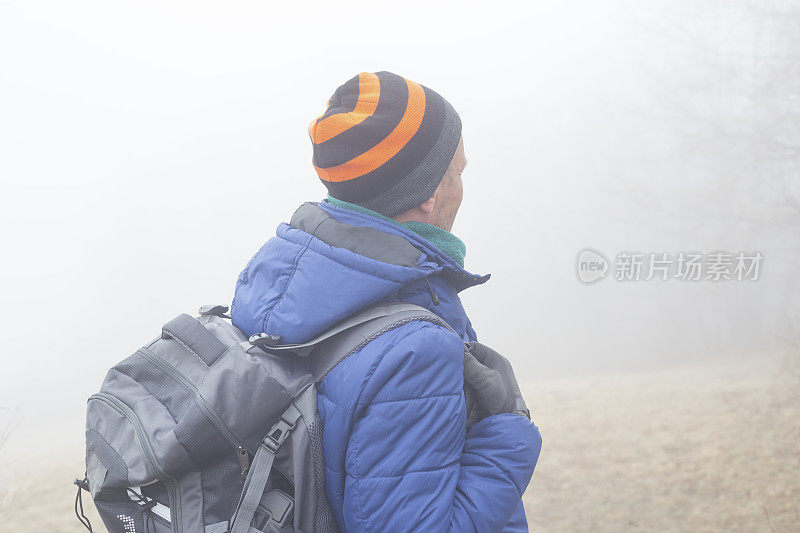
<point x="448" y="243"/>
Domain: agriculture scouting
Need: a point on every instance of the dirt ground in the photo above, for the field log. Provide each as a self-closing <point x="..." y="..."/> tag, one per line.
<point x="712" y="447"/>
<point x="702" y="448"/>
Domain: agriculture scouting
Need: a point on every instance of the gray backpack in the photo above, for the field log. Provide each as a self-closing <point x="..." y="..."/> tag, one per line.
<point x="206" y="431"/>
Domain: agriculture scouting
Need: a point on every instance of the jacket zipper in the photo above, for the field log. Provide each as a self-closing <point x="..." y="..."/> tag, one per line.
<point x="212" y="415"/>
<point x="118" y="405"/>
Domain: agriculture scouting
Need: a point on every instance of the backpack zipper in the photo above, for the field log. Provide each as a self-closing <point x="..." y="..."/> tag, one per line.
<point x="212" y="415"/>
<point x="244" y="459"/>
<point x="151" y="462"/>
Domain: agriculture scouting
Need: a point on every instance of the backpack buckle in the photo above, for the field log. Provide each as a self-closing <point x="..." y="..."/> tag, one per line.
<point x="274" y="509"/>
<point x="279" y="432"/>
<point x="264" y="339"/>
<point x="214" y="310"/>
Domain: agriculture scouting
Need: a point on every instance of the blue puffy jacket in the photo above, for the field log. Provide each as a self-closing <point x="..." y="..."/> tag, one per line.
<point x="397" y="455"/>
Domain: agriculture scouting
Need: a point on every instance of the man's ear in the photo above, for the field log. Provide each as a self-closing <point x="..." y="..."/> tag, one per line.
<point x="427" y="205"/>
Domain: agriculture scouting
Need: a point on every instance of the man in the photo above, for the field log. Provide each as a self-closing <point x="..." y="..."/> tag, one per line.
<point x="397" y="455"/>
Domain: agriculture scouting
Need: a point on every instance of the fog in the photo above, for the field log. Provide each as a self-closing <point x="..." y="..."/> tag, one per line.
<point x="148" y="149"/>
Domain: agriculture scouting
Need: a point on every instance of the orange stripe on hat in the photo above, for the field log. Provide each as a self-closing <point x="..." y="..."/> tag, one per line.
<point x="369" y="92"/>
<point x="388" y="147"/>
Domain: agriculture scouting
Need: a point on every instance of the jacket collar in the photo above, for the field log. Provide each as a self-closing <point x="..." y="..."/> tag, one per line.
<point x="454" y="272"/>
<point x="445" y="241"/>
<point x="329" y="263"/>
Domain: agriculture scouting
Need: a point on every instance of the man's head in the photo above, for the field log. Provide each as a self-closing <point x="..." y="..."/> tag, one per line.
<point x="392" y="146"/>
<point x="440" y="209"/>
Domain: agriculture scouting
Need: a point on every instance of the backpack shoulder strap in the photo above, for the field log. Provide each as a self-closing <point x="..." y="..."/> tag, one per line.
<point x="352" y="333"/>
<point x="357" y="331"/>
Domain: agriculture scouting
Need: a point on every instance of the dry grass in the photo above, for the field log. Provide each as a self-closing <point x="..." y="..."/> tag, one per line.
<point x="713" y="447"/>
<point x="707" y="448"/>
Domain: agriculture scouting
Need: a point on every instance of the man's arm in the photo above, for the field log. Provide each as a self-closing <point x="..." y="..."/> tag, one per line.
<point x="410" y="466"/>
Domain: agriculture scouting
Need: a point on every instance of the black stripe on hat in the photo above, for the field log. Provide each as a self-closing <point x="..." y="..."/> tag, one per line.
<point x="407" y="159"/>
<point x="344" y="98"/>
<point x="360" y="138"/>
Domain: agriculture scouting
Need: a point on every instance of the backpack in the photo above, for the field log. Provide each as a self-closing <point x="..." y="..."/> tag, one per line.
<point x="206" y="431"/>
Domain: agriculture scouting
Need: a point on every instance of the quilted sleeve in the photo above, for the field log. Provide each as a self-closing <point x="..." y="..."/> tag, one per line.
<point x="409" y="464"/>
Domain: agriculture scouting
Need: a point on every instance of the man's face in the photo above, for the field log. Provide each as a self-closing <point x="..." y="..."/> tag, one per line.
<point x="450" y="191"/>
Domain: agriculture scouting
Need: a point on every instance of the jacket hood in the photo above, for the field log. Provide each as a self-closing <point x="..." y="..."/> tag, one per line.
<point x="329" y="263"/>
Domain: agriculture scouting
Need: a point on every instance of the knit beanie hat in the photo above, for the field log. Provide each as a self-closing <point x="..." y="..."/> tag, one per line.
<point x="384" y="142"/>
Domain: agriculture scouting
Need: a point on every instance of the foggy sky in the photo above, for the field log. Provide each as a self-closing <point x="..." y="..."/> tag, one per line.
<point x="148" y="150"/>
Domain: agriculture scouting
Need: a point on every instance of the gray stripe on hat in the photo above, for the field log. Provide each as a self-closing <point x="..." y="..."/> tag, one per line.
<point x="420" y="183"/>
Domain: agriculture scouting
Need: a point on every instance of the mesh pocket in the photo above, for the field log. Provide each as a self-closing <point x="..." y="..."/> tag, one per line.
<point x="222" y="485"/>
<point x="323" y="521"/>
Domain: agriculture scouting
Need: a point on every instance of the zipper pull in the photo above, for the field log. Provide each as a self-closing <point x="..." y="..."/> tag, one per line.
<point x="244" y="459"/>
<point x="434" y="296"/>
